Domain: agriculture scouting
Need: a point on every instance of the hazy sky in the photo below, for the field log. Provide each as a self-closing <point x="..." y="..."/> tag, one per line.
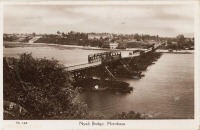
<point x="164" y="20"/>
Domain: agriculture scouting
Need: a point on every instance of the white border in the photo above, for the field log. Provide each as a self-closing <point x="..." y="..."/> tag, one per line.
<point x="1" y="63"/>
<point x="110" y="2"/>
<point x="197" y="64"/>
<point x="185" y="124"/>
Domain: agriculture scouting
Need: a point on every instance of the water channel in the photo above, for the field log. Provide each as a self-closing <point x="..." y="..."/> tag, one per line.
<point x="166" y="91"/>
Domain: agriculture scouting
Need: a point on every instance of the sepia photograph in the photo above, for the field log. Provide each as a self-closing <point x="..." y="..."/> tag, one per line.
<point x="99" y="62"/>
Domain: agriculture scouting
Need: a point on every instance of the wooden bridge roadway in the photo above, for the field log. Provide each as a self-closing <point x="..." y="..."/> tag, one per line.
<point x="98" y="61"/>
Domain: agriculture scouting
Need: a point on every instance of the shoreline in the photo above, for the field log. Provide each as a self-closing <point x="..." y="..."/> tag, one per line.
<point x="7" y="44"/>
<point x="177" y="52"/>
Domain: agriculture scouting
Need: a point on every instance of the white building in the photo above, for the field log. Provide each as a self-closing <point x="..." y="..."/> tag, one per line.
<point x="99" y="36"/>
<point x="113" y="45"/>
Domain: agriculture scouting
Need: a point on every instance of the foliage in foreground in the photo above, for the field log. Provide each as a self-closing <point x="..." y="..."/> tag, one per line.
<point x="130" y="115"/>
<point x="41" y="89"/>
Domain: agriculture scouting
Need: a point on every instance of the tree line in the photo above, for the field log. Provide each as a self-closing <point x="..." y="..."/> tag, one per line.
<point x="81" y="39"/>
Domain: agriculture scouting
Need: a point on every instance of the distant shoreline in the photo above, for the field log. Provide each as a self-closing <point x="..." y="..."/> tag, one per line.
<point x="177" y="52"/>
<point x="21" y="44"/>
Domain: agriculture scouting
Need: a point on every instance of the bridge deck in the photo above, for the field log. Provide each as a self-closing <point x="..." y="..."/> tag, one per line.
<point x="95" y="64"/>
<point x="81" y="66"/>
<point x="98" y="63"/>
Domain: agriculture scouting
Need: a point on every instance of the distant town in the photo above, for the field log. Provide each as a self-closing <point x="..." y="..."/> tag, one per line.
<point x="105" y="40"/>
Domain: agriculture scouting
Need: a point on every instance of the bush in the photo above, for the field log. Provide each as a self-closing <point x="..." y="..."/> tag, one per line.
<point x="129" y="115"/>
<point x="42" y="87"/>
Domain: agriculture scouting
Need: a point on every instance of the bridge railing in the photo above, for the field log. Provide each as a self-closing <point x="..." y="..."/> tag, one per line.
<point x="82" y="66"/>
<point x="104" y="57"/>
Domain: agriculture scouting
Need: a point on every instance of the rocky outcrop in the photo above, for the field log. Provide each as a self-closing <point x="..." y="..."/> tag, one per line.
<point x="14" y="111"/>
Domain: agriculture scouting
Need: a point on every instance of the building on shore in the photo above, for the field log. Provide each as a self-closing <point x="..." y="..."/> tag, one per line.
<point x="99" y="36"/>
<point x="113" y="45"/>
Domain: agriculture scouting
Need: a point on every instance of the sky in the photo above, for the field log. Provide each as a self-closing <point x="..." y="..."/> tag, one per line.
<point x="163" y="20"/>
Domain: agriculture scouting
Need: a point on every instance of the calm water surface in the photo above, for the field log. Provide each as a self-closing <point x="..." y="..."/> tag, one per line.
<point x="166" y="91"/>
